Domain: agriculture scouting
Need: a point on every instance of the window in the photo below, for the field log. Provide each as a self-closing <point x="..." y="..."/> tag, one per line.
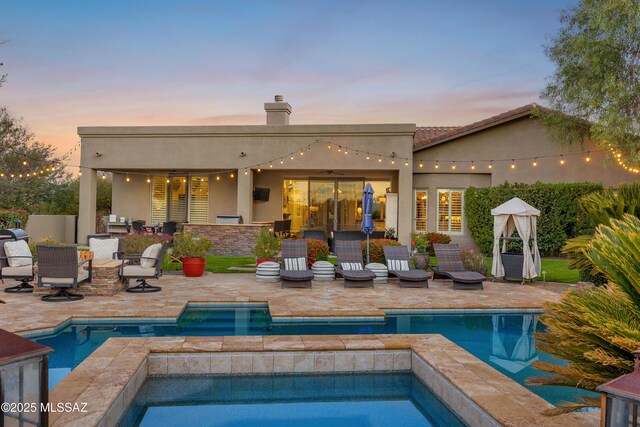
<point x="171" y="195"/>
<point x="420" y="210"/>
<point x="159" y="200"/>
<point x="450" y="211"/>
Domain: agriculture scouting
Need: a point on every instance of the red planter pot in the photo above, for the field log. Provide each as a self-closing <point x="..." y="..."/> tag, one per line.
<point x="193" y="267"/>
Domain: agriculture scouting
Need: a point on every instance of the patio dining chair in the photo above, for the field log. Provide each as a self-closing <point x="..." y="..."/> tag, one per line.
<point x="450" y="266"/>
<point x="148" y="265"/>
<point x="293" y="271"/>
<point x="350" y="266"/>
<point x="58" y="268"/>
<point x="16" y="262"/>
<point x="138" y="226"/>
<point x="169" y="227"/>
<point x="399" y="265"/>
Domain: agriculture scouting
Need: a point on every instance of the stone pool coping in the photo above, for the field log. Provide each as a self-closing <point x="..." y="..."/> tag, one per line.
<point x="110" y="377"/>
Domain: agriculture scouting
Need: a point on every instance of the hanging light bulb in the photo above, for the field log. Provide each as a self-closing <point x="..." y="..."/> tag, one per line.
<point x="393" y="161"/>
<point x="231" y="175"/>
<point x="535" y="162"/>
<point x="453" y="165"/>
<point x="339" y="148"/>
<point x="28" y="175"/>
<point x="291" y="156"/>
<point x="437" y="165"/>
<point x="20" y="176"/>
<point x="380" y="159"/>
<point x="421" y="164"/>
<point x="246" y="172"/>
<point x="473" y="166"/>
<point x="148" y="179"/>
<point x="217" y="177"/>
<point x="513" y="164"/>
<point x="259" y="170"/>
<point x="301" y="152"/>
<point x="281" y="161"/>
<point x="128" y="179"/>
<point x="561" y="159"/>
<point x="329" y="145"/>
<point x="24" y="163"/>
<point x="345" y="150"/>
<point x="588" y="158"/>
<point x="104" y="175"/>
<point x="270" y="165"/>
<point x="184" y="179"/>
<point x="79" y="172"/>
<point x="368" y="157"/>
<point x="406" y="162"/>
<point x="491" y="164"/>
<point x="168" y="180"/>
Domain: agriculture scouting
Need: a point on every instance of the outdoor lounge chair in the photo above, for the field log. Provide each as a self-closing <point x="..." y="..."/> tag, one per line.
<point x="58" y="268"/>
<point x="450" y="266"/>
<point x="350" y="267"/>
<point x="399" y="265"/>
<point x="22" y="268"/>
<point x="293" y="271"/>
<point x="143" y="267"/>
<point x="103" y="248"/>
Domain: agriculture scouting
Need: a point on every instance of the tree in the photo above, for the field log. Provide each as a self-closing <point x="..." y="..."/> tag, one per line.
<point x="30" y="173"/>
<point x="3" y="77"/>
<point x="595" y="90"/>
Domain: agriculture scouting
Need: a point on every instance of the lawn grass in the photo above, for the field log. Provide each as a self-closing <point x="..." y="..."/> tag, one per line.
<point x="556" y="271"/>
<point x="218" y="264"/>
<point x="556" y="268"/>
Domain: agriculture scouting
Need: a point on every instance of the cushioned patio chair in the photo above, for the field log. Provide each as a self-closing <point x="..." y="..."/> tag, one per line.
<point x="450" y="266"/>
<point x="148" y="265"/>
<point x="350" y="266"/>
<point x="138" y="226"/>
<point x="16" y="262"/>
<point x="169" y="227"/>
<point x="106" y="248"/>
<point x="58" y="268"/>
<point x="399" y="265"/>
<point x="293" y="270"/>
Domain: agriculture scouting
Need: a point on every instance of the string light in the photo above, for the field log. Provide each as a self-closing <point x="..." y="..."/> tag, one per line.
<point x="513" y="164"/>
<point x="437" y="165"/>
<point x="473" y="166"/>
<point x="148" y="179"/>
<point x="231" y="175"/>
<point x="421" y="164"/>
<point x="406" y="162"/>
<point x="24" y="163"/>
<point x="270" y="165"/>
<point x="535" y="162"/>
<point x="380" y="159"/>
<point x="79" y="172"/>
<point x="368" y="157"/>
<point x="491" y="164"/>
<point x="588" y="158"/>
<point x="339" y="148"/>
<point x="128" y="179"/>
<point x="168" y="180"/>
<point x="393" y="161"/>
<point x="345" y="151"/>
<point x="104" y="175"/>
<point x="246" y="172"/>
<point x="259" y="170"/>
<point x="562" y="159"/>
<point x="291" y="156"/>
<point x="329" y="145"/>
<point x="281" y="161"/>
<point x="217" y="177"/>
<point x="453" y="165"/>
<point x="301" y="153"/>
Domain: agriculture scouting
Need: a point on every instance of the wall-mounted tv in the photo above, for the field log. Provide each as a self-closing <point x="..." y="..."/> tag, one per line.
<point x="261" y="194"/>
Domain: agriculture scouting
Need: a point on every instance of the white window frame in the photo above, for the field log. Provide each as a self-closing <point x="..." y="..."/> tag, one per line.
<point x="462" y="221"/>
<point x="426" y="210"/>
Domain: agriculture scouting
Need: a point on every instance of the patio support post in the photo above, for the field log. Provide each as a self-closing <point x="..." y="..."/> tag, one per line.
<point x="87" y="211"/>
<point x="405" y="204"/>
<point x="245" y="195"/>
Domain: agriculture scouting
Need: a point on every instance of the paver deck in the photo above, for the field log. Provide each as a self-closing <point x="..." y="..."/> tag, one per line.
<point x="23" y="313"/>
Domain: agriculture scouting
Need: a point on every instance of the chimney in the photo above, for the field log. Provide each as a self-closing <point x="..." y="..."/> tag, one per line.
<point x="277" y="112"/>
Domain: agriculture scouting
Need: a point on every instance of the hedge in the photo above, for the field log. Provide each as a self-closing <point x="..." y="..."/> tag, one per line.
<point x="376" y="253"/>
<point x="8" y="218"/>
<point x="561" y="216"/>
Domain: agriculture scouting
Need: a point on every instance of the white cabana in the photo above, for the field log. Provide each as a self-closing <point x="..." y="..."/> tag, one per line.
<point x="512" y="215"/>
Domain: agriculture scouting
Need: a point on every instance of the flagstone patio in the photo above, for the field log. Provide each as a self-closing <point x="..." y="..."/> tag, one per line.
<point x="25" y="312"/>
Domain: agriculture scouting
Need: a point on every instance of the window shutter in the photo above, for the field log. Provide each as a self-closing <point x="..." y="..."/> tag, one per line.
<point x="199" y="200"/>
<point x="443" y="210"/>
<point x="456" y="211"/>
<point x="159" y="200"/>
<point x="421" y="211"/>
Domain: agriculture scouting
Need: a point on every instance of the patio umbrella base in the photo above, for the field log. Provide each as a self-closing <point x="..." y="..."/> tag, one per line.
<point x="22" y="288"/>
<point x="62" y="295"/>
<point x="144" y="287"/>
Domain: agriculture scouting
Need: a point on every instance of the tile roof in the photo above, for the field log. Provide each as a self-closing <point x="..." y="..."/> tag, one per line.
<point x="430" y="136"/>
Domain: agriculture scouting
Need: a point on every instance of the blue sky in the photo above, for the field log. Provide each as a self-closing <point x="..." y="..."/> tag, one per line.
<point x="79" y="63"/>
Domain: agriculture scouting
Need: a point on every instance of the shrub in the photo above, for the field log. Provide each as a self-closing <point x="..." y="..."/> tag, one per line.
<point x="33" y="246"/>
<point x="267" y="244"/>
<point x="8" y="218"/>
<point x="376" y="254"/>
<point x="136" y="243"/>
<point x="423" y="242"/>
<point x="473" y="260"/>
<point x="317" y="250"/>
<point x="561" y="216"/>
<point x="188" y="246"/>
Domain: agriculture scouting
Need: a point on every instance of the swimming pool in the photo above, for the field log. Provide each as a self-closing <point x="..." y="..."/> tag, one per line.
<point x="388" y="400"/>
<point x="503" y="341"/>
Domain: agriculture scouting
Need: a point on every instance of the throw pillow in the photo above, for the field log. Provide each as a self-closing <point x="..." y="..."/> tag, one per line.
<point x="151" y="252"/>
<point x="18" y="248"/>
<point x="295" y="264"/>
<point x="398" y="265"/>
<point x="351" y="265"/>
<point x="103" y="248"/>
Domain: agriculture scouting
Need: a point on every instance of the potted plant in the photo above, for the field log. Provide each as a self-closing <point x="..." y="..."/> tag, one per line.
<point x="267" y="246"/>
<point x="421" y="245"/>
<point x="192" y="251"/>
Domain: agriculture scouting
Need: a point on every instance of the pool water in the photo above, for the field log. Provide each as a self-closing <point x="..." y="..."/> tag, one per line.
<point x="503" y="341"/>
<point x="380" y="400"/>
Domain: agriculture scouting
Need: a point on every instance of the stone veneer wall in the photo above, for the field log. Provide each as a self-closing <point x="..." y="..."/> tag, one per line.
<point x="228" y="239"/>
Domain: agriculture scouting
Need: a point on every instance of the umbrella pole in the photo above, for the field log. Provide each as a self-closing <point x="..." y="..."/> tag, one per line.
<point x="367" y="248"/>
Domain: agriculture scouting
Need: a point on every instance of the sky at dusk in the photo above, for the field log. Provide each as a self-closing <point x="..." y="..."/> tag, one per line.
<point x="79" y="63"/>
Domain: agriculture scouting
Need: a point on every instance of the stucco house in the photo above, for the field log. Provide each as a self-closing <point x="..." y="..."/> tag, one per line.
<point x="314" y="174"/>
